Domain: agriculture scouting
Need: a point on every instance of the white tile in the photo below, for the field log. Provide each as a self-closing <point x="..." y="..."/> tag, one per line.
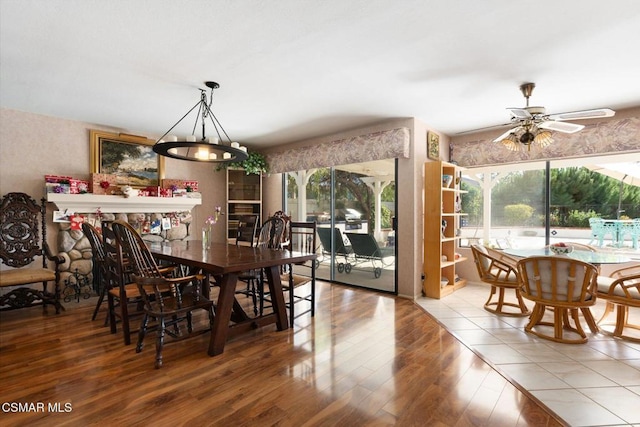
<point x="617" y="349"/>
<point x="472" y="312"/>
<point x="500" y="353"/>
<point x="622" y="402"/>
<point x="579" y="352"/>
<point x="615" y="370"/>
<point x="513" y="335"/>
<point x="575" y="408"/>
<point x="540" y="352"/>
<point x="533" y="377"/>
<point x="577" y="375"/>
<point x="474" y="337"/>
<point x="456" y="324"/>
<point x="489" y="322"/>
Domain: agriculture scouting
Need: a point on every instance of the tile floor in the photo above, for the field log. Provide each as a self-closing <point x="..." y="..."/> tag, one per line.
<point x="592" y="384"/>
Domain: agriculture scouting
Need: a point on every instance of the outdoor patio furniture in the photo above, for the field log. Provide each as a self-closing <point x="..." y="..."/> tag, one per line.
<point x="339" y="248"/>
<point x="600" y="229"/>
<point x="366" y="249"/>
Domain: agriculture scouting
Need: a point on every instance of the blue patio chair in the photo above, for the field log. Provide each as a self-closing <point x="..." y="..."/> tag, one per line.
<point x="599" y="230"/>
<point x="631" y="229"/>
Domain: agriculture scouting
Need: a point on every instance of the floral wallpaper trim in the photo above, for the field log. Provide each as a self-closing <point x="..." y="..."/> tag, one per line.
<point x="610" y="137"/>
<point x="388" y="144"/>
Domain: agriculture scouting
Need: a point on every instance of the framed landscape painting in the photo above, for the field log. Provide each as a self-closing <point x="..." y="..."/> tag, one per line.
<point x="129" y="157"/>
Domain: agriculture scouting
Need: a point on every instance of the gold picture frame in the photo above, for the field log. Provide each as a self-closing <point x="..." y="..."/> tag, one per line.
<point x="433" y="146"/>
<point x="129" y="157"/>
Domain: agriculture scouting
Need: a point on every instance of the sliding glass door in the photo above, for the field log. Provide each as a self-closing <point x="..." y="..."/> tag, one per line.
<point x="354" y="207"/>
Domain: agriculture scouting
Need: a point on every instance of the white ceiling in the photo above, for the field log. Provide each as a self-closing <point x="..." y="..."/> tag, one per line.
<point x="294" y="69"/>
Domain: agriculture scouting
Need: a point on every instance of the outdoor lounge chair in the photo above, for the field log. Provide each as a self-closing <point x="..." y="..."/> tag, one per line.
<point x="366" y="249"/>
<point x="340" y="249"/>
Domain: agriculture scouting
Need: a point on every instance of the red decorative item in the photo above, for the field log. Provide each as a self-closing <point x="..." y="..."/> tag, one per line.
<point x="104" y="184"/>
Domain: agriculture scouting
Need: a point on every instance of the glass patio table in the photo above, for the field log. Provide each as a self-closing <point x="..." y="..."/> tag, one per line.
<point x="596" y="258"/>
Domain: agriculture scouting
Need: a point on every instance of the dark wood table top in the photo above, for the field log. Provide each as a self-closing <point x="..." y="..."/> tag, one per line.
<point x="225" y="262"/>
<point x="223" y="258"/>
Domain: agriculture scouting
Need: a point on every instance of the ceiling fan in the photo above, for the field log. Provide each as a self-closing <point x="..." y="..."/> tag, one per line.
<point x="534" y="125"/>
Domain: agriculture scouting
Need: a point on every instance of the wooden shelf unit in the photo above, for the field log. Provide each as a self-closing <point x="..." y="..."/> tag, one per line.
<point x="244" y="197"/>
<point x="440" y="204"/>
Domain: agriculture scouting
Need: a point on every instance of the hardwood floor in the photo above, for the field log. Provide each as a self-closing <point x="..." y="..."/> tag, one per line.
<point x="365" y="359"/>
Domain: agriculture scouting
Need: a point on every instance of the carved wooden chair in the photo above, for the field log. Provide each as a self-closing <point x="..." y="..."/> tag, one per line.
<point x="563" y="284"/>
<point x="168" y="301"/>
<point x="499" y="270"/>
<point x="22" y="240"/>
<point x="621" y="291"/>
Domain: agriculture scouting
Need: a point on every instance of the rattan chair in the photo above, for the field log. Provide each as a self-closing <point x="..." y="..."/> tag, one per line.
<point x="499" y="270"/>
<point x="621" y="291"/>
<point x="564" y="285"/>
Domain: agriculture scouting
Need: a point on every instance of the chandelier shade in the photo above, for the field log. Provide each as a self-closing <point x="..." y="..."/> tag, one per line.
<point x="205" y="149"/>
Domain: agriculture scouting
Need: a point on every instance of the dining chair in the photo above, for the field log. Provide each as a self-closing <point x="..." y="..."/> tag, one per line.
<point x="121" y="291"/>
<point x="168" y="301"/>
<point x="274" y="234"/>
<point x="499" y="270"/>
<point x="564" y="285"/>
<point x="302" y="238"/>
<point x="99" y="268"/>
<point x="246" y="235"/>
<point x="621" y="291"/>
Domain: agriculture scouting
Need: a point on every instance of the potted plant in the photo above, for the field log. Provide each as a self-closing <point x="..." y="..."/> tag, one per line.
<point x="255" y="164"/>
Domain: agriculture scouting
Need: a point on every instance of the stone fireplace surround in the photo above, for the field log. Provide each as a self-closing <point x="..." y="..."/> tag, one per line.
<point x="75" y="248"/>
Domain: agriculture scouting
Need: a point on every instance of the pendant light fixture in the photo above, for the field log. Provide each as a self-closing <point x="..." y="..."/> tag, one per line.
<point x="211" y="149"/>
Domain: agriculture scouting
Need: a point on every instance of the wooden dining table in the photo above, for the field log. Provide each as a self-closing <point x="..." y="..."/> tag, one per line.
<point x="225" y="262"/>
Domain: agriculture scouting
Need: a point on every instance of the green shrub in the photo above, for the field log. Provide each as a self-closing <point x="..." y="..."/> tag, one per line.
<point x="580" y="218"/>
<point x="518" y="214"/>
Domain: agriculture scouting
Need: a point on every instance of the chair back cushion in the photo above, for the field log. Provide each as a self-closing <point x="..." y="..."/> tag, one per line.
<point x="557" y="278"/>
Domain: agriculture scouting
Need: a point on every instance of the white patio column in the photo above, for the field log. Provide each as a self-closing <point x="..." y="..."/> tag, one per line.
<point x="377" y="185"/>
<point x="302" y="179"/>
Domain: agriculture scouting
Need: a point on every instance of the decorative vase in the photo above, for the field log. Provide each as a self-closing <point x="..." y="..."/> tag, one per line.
<point x="206" y="238"/>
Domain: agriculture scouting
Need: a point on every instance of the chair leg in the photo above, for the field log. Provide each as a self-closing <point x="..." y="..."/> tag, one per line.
<point x="124" y="314"/>
<point x="112" y="313"/>
<point x="159" y="342"/>
<point x="100" y="299"/>
<point x="588" y="316"/>
<point x="142" y="332"/>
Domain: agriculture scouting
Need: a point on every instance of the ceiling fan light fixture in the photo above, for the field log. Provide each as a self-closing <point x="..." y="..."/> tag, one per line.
<point x="511" y="142"/>
<point x="207" y="149"/>
<point x="543" y="138"/>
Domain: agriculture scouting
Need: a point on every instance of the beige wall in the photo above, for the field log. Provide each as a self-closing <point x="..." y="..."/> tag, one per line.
<point x="33" y="145"/>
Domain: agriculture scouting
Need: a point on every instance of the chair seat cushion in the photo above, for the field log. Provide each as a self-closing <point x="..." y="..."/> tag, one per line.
<point x="604" y="284"/>
<point x="25" y="276"/>
<point x="131" y="290"/>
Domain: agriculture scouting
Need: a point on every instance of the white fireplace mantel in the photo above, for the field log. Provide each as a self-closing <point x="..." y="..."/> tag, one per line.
<point x="90" y="203"/>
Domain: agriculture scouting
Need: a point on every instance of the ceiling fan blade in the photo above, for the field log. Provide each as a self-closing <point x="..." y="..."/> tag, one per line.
<point x="561" y="126"/>
<point x="484" y="128"/>
<point x="520" y="113"/>
<point x="506" y="134"/>
<point x="584" y="114"/>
